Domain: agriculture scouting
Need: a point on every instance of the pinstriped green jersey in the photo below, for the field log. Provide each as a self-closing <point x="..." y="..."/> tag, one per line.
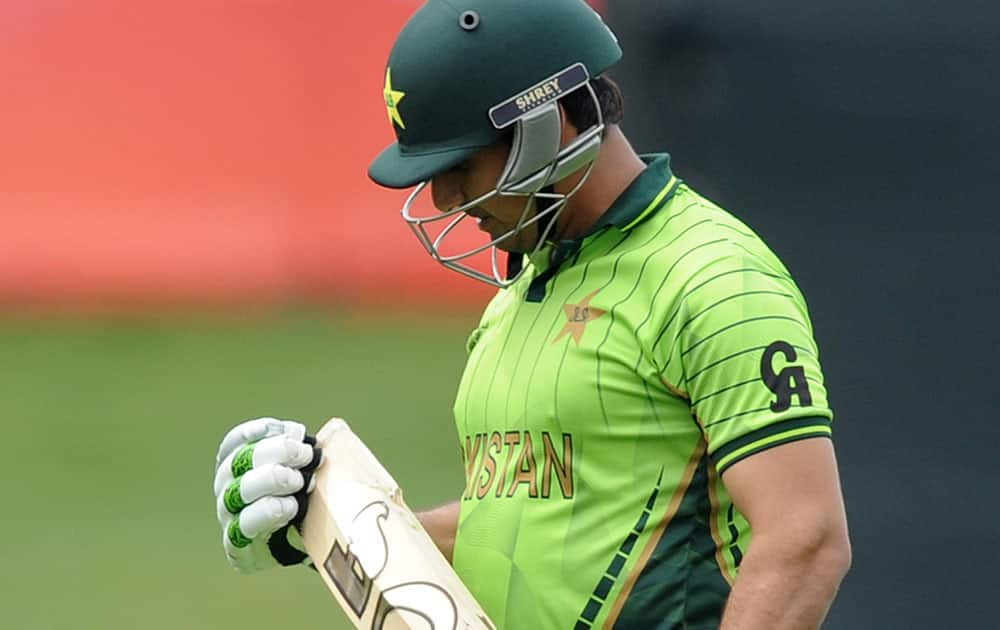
<point x="605" y="394"/>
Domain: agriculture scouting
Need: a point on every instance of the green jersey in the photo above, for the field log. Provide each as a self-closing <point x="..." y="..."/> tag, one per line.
<point x="606" y="393"/>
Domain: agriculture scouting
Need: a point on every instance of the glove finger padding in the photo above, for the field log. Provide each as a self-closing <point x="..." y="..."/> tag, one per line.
<point x="261" y="537"/>
<point x="279" y="449"/>
<point x="260" y="518"/>
<point x="270" y="480"/>
<point x="256" y="430"/>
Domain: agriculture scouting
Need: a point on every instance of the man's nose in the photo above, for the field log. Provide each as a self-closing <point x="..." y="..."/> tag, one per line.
<point x="445" y="192"/>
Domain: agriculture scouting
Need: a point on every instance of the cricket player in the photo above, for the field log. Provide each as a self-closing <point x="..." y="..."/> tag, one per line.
<point x="643" y="416"/>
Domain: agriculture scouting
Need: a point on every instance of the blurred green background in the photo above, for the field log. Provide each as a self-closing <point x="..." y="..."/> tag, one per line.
<point x="110" y="431"/>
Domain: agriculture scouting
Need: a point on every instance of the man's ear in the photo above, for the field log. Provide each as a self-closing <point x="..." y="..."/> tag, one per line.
<point x="569" y="132"/>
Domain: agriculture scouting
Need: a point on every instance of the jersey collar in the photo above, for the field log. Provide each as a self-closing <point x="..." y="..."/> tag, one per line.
<point x="643" y="197"/>
<point x="639" y="201"/>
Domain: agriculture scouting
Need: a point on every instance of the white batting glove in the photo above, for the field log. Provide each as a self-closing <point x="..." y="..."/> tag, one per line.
<point x="263" y="472"/>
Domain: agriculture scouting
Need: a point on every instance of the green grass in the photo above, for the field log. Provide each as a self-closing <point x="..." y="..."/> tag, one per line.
<point x="110" y="427"/>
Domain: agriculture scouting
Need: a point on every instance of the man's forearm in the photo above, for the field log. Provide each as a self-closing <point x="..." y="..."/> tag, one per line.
<point x="783" y="587"/>
<point x="442" y="524"/>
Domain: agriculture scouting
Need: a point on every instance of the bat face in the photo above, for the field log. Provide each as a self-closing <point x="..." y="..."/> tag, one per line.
<point x="354" y="569"/>
<point x="371" y="551"/>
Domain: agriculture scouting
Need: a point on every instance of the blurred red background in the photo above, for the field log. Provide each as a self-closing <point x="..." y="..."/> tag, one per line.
<point x="204" y="151"/>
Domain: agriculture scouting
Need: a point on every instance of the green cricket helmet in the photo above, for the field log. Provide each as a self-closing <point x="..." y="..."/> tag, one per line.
<point x="462" y="75"/>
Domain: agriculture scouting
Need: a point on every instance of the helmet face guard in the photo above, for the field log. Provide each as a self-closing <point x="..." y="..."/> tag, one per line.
<point x="536" y="162"/>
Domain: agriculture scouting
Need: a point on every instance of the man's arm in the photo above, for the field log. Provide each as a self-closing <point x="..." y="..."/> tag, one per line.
<point x="442" y="524"/>
<point x="799" y="551"/>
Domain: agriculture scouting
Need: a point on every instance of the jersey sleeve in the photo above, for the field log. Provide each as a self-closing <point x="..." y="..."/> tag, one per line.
<point x="742" y="352"/>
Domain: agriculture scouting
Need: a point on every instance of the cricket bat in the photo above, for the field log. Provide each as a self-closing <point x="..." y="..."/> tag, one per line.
<point x="370" y="549"/>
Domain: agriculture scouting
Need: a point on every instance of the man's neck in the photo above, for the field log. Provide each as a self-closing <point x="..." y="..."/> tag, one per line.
<point x="617" y="165"/>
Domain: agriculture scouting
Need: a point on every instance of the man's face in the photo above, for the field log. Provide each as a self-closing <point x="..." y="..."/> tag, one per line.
<point x="497" y="215"/>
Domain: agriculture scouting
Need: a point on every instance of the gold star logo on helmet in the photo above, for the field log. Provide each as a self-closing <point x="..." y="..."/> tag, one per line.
<point x="392" y="99"/>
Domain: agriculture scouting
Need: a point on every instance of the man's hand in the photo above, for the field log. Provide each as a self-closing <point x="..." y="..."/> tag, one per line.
<point x="441" y="524"/>
<point x="263" y="472"/>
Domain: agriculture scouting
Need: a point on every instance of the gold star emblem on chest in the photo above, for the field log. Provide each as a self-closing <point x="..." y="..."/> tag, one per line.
<point x="577" y="318"/>
<point x="392" y="99"/>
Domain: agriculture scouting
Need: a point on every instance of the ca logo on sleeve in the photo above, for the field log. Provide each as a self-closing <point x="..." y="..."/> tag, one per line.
<point x="790" y="381"/>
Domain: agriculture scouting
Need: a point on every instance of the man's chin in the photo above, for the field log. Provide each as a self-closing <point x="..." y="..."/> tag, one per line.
<point x="515" y="245"/>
